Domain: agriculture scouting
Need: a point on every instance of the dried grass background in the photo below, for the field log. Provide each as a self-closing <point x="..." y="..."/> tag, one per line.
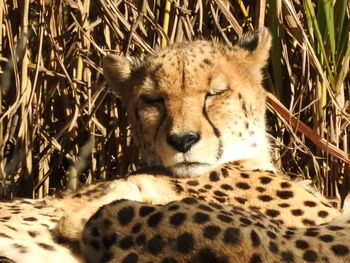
<point x="61" y="127"/>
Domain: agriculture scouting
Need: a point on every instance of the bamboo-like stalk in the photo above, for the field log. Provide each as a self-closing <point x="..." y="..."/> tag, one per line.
<point x="166" y="22"/>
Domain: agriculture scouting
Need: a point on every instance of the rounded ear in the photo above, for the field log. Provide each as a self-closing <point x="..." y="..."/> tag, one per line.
<point x="254" y="48"/>
<point x="117" y="70"/>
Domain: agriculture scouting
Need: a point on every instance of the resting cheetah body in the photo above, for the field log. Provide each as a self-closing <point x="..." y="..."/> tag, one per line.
<point x="219" y="119"/>
<point x="198" y="231"/>
<point x="31" y="229"/>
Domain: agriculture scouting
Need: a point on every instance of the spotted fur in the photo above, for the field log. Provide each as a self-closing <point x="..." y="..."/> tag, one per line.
<point x="198" y="231"/>
<point x="278" y="198"/>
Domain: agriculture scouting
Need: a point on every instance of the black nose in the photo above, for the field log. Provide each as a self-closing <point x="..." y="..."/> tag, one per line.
<point x="183" y="143"/>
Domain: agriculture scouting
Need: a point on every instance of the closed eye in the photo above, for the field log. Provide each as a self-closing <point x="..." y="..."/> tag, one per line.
<point x="214" y="93"/>
<point x="151" y="99"/>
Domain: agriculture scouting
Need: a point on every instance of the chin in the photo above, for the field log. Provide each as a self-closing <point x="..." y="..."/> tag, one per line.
<point x="190" y="169"/>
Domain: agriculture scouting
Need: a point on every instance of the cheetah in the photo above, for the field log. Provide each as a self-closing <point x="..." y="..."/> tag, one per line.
<point x="211" y="144"/>
<point x="198" y="231"/>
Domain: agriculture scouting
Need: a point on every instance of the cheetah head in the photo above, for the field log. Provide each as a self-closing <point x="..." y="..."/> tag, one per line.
<point x="195" y="105"/>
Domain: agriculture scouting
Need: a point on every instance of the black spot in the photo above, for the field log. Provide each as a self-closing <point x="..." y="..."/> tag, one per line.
<point x="30" y="219"/>
<point x="136" y="228"/>
<point x="131" y="258"/>
<point x="154" y="219"/>
<point x="301" y="244"/>
<point x="46" y="246"/>
<point x="185" y="243"/>
<point x="271" y="234"/>
<point x="243" y="186"/>
<point x="285" y="194"/>
<point x="193" y="183"/>
<point x="260" y="189"/>
<point x="311" y="232"/>
<point x="178" y="188"/>
<point x="285" y="185"/>
<point x="241" y="200"/>
<point x="326" y="238"/>
<point x="211" y="231"/>
<point x="208" y="186"/>
<point x="255" y="258"/>
<point x="224" y="172"/>
<point x="232" y="235"/>
<point x="265" y="198"/>
<point x="272" y="212"/>
<point x="108" y="240"/>
<point x="260" y="225"/>
<point x="155" y="245"/>
<point x="207" y="61"/>
<point x="177" y="219"/>
<point x="216" y="205"/>
<point x="340" y="250"/>
<point x="335" y="228"/>
<point x="125" y="215"/>
<point x="244" y="175"/>
<point x="189" y="201"/>
<point x="219" y="193"/>
<point x="310" y="256"/>
<point x="205" y="208"/>
<point x="214" y="177"/>
<point x="283" y="205"/>
<point x="227" y="187"/>
<point x="173" y="207"/>
<point x="200" y="217"/>
<point x="126" y="243"/>
<point x="192" y="191"/>
<point x="245" y="221"/>
<point x="308" y="222"/>
<point x="273" y="247"/>
<point x="310" y="203"/>
<point x="146" y="210"/>
<point x="265" y="180"/>
<point x="297" y="212"/>
<point x="206" y="255"/>
<point x="255" y="238"/>
<point x="287" y="256"/>
<point x="322" y="214"/>
<point x="225" y="218"/>
<point x="32" y="233"/>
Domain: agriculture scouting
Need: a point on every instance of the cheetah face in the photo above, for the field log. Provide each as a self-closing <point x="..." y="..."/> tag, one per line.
<point x="196" y="105"/>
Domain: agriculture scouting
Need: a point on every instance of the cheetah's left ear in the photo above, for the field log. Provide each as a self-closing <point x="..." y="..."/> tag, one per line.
<point x="254" y="48"/>
<point x="117" y="71"/>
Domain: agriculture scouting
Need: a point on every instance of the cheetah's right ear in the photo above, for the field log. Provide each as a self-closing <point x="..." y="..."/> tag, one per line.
<point x="117" y="71"/>
<point x="254" y="49"/>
